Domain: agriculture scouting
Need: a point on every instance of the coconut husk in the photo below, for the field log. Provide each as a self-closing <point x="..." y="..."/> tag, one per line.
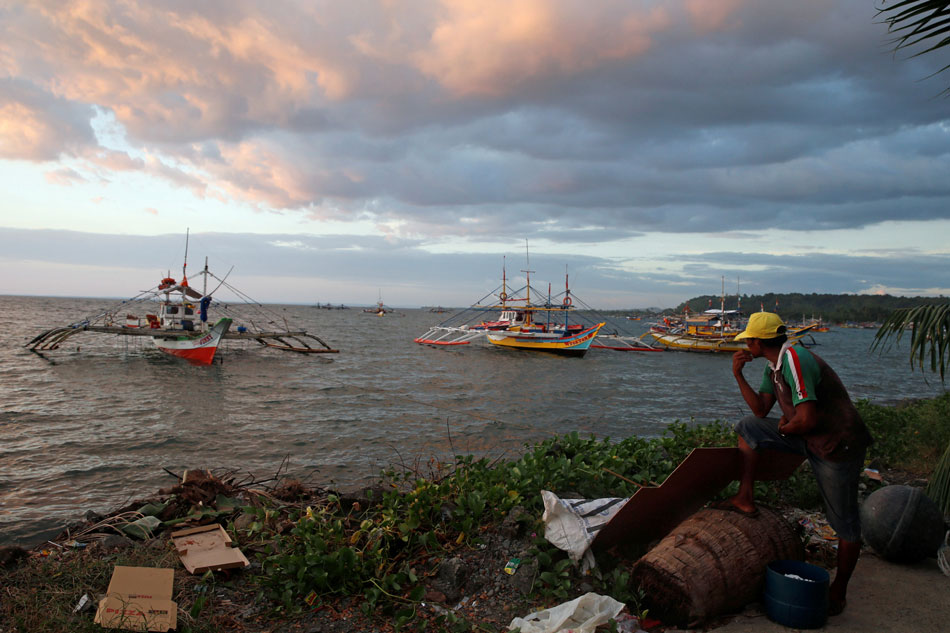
<point x="713" y="563"/>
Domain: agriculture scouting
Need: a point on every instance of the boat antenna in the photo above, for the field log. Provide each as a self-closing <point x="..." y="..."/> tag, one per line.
<point x="184" y="266"/>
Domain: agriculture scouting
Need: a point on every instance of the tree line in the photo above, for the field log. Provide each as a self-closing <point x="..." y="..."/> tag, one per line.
<point x="832" y="308"/>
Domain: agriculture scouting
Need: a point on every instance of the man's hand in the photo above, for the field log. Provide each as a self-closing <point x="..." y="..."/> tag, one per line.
<point x="783" y="425"/>
<point x="739" y="359"/>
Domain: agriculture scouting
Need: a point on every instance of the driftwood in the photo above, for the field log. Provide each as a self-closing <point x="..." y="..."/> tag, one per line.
<point x="713" y="563"/>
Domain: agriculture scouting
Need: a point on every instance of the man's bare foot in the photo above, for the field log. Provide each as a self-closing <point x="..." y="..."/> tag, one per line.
<point x="734" y="504"/>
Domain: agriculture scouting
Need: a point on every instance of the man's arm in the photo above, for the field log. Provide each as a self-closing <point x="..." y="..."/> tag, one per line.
<point x="804" y="420"/>
<point x="760" y="403"/>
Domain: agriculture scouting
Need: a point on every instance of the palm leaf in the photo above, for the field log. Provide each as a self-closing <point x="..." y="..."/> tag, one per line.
<point x="917" y="21"/>
<point x="929" y="335"/>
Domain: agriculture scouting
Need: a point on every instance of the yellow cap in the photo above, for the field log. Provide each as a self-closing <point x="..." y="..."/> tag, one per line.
<point x="763" y="325"/>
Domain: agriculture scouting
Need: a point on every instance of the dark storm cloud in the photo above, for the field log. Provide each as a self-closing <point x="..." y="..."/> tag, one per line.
<point x="498" y="118"/>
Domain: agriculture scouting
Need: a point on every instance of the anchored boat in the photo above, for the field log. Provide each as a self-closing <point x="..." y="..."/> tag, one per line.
<point x="511" y="319"/>
<point x="176" y="320"/>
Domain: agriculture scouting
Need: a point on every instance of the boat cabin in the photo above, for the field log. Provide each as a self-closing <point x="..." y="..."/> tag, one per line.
<point x="178" y="316"/>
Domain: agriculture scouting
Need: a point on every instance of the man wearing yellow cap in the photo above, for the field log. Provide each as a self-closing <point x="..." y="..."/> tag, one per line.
<point x="818" y="420"/>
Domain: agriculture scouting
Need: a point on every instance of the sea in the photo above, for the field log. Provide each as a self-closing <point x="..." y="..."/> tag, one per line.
<point x="106" y="420"/>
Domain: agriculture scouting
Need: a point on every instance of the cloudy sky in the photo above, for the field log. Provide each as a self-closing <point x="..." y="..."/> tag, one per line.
<point x="332" y="151"/>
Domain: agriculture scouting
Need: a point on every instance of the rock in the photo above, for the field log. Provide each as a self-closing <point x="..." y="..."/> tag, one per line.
<point x="243" y="522"/>
<point x="11" y="555"/>
<point x="115" y="541"/>
<point x="451" y="577"/>
<point x="516" y="522"/>
<point x="523" y="579"/>
<point x="362" y="498"/>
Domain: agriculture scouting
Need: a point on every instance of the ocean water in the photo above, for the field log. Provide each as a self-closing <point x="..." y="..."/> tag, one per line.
<point x="95" y="424"/>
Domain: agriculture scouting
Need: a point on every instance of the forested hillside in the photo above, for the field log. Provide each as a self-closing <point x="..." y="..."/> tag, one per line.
<point x="829" y="307"/>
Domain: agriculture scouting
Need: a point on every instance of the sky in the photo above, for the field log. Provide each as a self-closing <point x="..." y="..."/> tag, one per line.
<point x="342" y="152"/>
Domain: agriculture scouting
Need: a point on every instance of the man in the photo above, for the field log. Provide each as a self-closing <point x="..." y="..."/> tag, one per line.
<point x="818" y="420"/>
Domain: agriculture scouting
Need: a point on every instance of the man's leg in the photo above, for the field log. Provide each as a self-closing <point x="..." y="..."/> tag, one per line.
<point x="848" y="552"/>
<point x="745" y="498"/>
<point x="757" y="434"/>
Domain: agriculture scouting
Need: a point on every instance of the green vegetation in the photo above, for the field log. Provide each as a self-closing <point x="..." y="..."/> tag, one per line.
<point x="380" y="554"/>
<point x="929" y="340"/>
<point x="829" y="307"/>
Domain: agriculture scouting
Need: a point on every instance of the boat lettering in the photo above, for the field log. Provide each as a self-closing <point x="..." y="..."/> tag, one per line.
<point x="205" y="339"/>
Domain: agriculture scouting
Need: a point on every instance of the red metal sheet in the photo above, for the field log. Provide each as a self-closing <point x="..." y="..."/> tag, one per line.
<point x="652" y="512"/>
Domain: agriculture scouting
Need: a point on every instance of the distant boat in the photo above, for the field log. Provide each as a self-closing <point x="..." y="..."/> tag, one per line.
<point x="177" y="322"/>
<point x="380" y="309"/>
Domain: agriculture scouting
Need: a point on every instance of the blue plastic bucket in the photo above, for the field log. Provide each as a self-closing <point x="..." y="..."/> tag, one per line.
<point x="800" y="603"/>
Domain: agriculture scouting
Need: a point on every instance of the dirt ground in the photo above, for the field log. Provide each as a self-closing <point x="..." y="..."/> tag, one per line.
<point x="883" y="597"/>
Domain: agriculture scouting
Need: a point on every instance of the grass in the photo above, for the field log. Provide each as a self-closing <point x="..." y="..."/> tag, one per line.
<point x="40" y="595"/>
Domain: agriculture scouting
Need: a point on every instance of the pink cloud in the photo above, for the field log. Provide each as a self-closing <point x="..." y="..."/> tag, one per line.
<point x="490" y="47"/>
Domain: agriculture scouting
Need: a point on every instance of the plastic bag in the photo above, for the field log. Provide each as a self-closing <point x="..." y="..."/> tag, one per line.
<point x="581" y="615"/>
<point x="572" y="524"/>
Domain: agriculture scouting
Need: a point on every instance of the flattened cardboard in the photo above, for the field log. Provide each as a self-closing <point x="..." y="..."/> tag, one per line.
<point x="139" y="599"/>
<point x="207" y="548"/>
<point x="652" y="512"/>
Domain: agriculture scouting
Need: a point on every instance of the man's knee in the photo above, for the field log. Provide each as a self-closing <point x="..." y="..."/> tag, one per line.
<point x="747" y="424"/>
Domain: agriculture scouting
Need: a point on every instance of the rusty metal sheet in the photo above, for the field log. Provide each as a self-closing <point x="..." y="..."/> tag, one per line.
<point x="652" y="512"/>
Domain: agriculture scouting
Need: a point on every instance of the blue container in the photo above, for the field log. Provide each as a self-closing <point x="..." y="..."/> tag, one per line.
<point x="799" y="603"/>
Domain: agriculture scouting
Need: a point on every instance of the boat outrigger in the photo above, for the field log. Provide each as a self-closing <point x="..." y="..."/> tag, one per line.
<point x="177" y="322"/>
<point x="552" y="325"/>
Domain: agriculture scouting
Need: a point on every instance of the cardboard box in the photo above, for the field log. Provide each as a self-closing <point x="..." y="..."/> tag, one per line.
<point x="207" y="548"/>
<point x="139" y="599"/>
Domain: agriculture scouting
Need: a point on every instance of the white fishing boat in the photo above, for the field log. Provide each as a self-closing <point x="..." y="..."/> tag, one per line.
<point x="177" y="319"/>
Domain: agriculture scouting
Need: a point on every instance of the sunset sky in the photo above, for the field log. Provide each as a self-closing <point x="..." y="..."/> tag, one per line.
<point x="335" y="151"/>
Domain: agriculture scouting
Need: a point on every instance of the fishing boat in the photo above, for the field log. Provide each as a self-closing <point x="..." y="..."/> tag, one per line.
<point x="518" y="319"/>
<point x="380" y="309"/>
<point x="709" y="343"/>
<point x="177" y="321"/>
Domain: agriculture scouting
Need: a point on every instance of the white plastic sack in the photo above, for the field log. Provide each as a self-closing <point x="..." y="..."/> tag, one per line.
<point x="581" y="615"/>
<point x="572" y="524"/>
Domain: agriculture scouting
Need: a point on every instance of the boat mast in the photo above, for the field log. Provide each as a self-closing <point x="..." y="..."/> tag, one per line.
<point x="722" y="308"/>
<point x="567" y="296"/>
<point x="527" y="301"/>
<point x="504" y="284"/>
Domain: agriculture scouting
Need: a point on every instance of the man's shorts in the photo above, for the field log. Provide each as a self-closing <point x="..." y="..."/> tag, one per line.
<point x="837" y="481"/>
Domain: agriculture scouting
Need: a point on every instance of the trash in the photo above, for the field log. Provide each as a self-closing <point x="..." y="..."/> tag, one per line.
<point x="311" y="598"/>
<point x="581" y="615"/>
<point x="873" y="473"/>
<point x="83" y="604"/>
<point x="207" y="548"/>
<point x="141" y="528"/>
<point x="512" y="566"/>
<point x="139" y="598"/>
<point x="571" y="524"/>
